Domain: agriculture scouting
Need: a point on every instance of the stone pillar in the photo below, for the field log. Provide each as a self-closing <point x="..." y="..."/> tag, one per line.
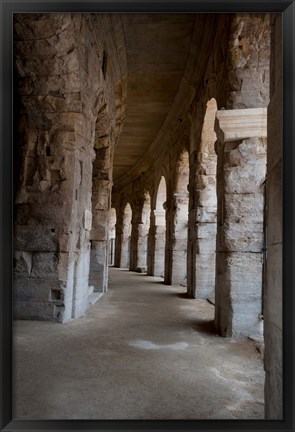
<point x="51" y="240"/>
<point x="83" y="227"/>
<point x="98" y="277"/>
<point x="273" y="290"/>
<point x="52" y="227"/>
<point x="179" y="240"/>
<point x="169" y="207"/>
<point x="112" y="236"/>
<point x="159" y="238"/>
<point x="241" y="168"/>
<point x="118" y="239"/>
<point x="125" y="244"/>
<point x="142" y="251"/>
<point x="191" y="247"/>
<point x="134" y="244"/>
<point x="143" y="234"/>
<point x="101" y="200"/>
<point x="151" y="245"/>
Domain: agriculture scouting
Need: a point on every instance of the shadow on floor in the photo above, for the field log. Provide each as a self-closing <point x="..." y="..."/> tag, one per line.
<point x="203" y="326"/>
<point x="161" y="282"/>
<point x="183" y="295"/>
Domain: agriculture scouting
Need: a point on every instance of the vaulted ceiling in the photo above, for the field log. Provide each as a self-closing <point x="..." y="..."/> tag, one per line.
<point x="157" y="48"/>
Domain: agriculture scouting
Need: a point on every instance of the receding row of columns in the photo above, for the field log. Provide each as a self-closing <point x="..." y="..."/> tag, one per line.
<point x="215" y="246"/>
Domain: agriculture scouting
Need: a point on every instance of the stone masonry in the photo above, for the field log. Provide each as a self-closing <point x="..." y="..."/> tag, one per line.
<point x="169" y="154"/>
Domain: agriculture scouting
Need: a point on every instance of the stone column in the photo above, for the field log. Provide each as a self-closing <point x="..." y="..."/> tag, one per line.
<point x="151" y="245"/>
<point x="191" y="248"/>
<point x="98" y="277"/>
<point x="125" y="244"/>
<point x="101" y="200"/>
<point x="159" y="236"/>
<point x="118" y="239"/>
<point x="134" y="244"/>
<point x="169" y="207"/>
<point x="241" y="168"/>
<point x="142" y="251"/>
<point x="52" y="227"/>
<point x="53" y="201"/>
<point x="179" y="240"/>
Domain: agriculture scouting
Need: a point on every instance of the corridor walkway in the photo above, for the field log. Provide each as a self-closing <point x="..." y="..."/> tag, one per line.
<point x="143" y="351"/>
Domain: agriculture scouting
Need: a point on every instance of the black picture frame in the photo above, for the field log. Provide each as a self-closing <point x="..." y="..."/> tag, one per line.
<point x="7" y="8"/>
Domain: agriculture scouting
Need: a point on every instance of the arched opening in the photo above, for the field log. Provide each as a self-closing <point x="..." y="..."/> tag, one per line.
<point x="206" y="211"/>
<point x="160" y="229"/>
<point x="144" y="227"/>
<point x="180" y="226"/>
<point x="126" y="236"/>
<point x="56" y="223"/>
<point x="112" y="235"/>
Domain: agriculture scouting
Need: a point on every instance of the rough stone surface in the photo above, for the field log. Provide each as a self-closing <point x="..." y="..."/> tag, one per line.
<point x="64" y="183"/>
<point x="240" y="237"/>
<point x="117" y="157"/>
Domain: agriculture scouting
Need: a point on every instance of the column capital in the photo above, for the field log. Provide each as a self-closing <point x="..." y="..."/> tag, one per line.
<point x="239" y="124"/>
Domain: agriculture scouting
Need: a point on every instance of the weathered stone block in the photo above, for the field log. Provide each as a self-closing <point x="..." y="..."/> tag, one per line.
<point x="82" y="265"/>
<point x="207" y="214"/>
<point x="205" y="231"/>
<point x="244" y="207"/>
<point x="246" y="319"/>
<point x="180" y="244"/>
<point x="43" y="239"/>
<point x="23" y="213"/>
<point x="63" y="267"/>
<point x="44" y="265"/>
<point x="243" y="237"/>
<point x="204" y="276"/>
<point x="33" y="310"/>
<point x="247" y="180"/>
<point x="98" y="265"/>
<point x="206" y="198"/>
<point x="239" y="276"/>
<point x="205" y="246"/>
<point x="22" y="263"/>
<point x="100" y="232"/>
<point x="34" y="289"/>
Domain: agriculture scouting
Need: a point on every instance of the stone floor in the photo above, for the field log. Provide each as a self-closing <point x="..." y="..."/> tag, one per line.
<point x="143" y="351"/>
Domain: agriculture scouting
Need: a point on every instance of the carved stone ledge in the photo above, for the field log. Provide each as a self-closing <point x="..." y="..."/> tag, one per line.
<point x="234" y="125"/>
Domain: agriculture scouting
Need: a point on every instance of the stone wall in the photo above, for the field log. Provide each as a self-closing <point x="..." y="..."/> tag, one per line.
<point x="71" y="84"/>
<point x="58" y="60"/>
